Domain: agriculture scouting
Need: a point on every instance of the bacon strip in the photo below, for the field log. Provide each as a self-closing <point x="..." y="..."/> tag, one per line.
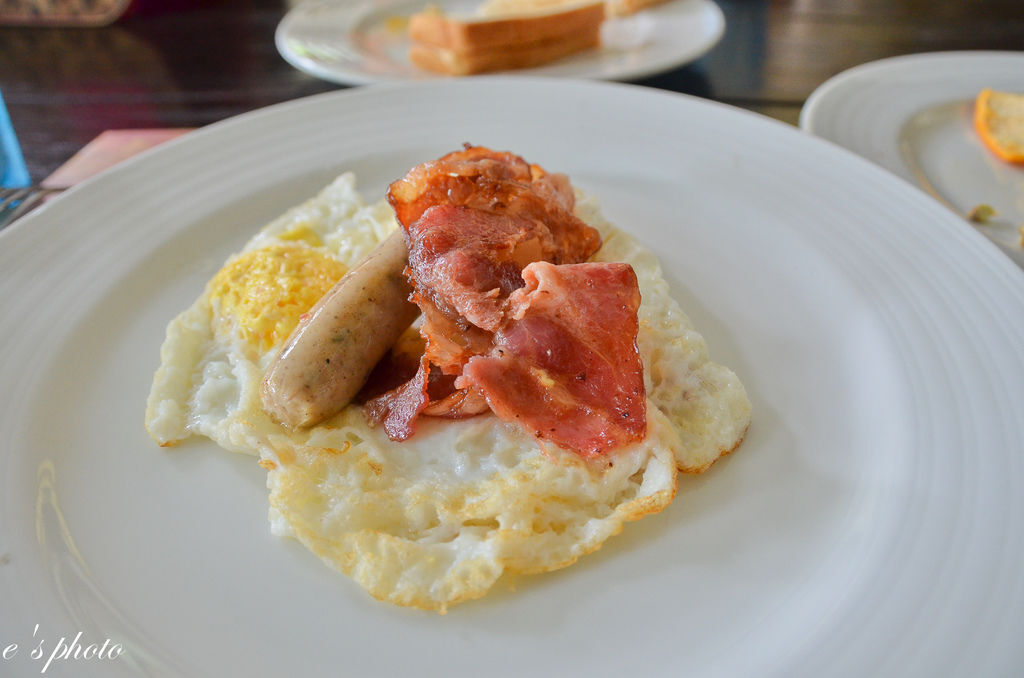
<point x="398" y="408"/>
<point x="500" y="183"/>
<point x="474" y="220"/>
<point x="467" y="262"/>
<point x="455" y="210"/>
<point x="566" y="365"/>
<point x="428" y="392"/>
<point x="475" y="176"/>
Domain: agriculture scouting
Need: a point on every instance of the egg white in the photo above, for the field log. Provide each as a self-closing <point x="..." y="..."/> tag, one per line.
<point x="438" y="519"/>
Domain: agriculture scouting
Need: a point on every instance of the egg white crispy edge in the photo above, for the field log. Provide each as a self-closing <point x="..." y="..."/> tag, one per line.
<point x="693" y="455"/>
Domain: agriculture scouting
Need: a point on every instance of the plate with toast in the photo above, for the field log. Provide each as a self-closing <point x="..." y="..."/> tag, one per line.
<point x="356" y="43"/>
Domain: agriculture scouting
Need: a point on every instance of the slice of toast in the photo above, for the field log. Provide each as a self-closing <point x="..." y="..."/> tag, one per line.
<point x="461" y="46"/>
<point x="511" y="7"/>
<point x="432" y="27"/>
<point x="455" y="62"/>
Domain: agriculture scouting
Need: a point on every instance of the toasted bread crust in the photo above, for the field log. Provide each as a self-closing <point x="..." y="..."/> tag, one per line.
<point x="453" y="62"/>
<point x="454" y="46"/>
<point x="460" y="35"/>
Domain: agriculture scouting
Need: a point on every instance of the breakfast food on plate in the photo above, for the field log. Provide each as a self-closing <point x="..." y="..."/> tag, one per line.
<point x="548" y="392"/>
<point x="508" y="37"/>
<point x="999" y="121"/>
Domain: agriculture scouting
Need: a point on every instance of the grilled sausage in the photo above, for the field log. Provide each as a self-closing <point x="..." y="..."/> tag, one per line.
<point x="335" y="346"/>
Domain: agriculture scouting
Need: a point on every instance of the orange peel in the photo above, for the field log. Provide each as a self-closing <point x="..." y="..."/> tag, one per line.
<point x="999" y="121"/>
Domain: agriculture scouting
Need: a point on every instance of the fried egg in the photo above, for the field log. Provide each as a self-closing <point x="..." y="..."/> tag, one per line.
<point x="215" y="352"/>
<point x="440" y="518"/>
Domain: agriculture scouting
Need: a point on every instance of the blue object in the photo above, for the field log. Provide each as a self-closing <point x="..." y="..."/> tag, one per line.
<point x="13" y="173"/>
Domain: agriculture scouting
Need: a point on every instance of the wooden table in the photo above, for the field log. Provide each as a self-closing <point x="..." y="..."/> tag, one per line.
<point x="63" y="86"/>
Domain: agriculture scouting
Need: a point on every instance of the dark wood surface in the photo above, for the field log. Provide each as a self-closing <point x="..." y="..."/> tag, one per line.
<point x="195" y="66"/>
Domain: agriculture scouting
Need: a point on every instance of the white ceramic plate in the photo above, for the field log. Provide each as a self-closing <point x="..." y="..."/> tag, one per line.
<point x="870" y="525"/>
<point x="364" y="41"/>
<point x="913" y="116"/>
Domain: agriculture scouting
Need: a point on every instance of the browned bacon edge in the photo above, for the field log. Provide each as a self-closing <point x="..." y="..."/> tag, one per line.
<point x="474" y="219"/>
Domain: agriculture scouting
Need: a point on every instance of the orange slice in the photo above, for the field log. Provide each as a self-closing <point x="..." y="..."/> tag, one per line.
<point x="999" y="120"/>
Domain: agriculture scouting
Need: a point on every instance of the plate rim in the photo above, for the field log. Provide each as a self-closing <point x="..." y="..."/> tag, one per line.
<point x="809" y="118"/>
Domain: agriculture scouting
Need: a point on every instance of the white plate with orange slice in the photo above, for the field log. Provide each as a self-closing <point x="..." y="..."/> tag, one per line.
<point x="915" y="116"/>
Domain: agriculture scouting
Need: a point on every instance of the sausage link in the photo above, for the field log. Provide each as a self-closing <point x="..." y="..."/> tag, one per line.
<point x="335" y="346"/>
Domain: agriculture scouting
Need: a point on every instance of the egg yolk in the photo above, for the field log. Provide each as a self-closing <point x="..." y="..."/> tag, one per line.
<point x="265" y="291"/>
<point x="302" y="232"/>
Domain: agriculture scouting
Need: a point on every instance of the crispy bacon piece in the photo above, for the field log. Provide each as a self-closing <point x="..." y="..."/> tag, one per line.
<point x="473" y="219"/>
<point x="473" y="176"/>
<point x="428" y="392"/>
<point x="477" y="223"/>
<point x="501" y="183"/>
<point x="466" y="261"/>
<point x="566" y="365"/>
<point x="458" y="404"/>
<point x="398" y="366"/>
<point x="450" y="340"/>
<point x="398" y="408"/>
